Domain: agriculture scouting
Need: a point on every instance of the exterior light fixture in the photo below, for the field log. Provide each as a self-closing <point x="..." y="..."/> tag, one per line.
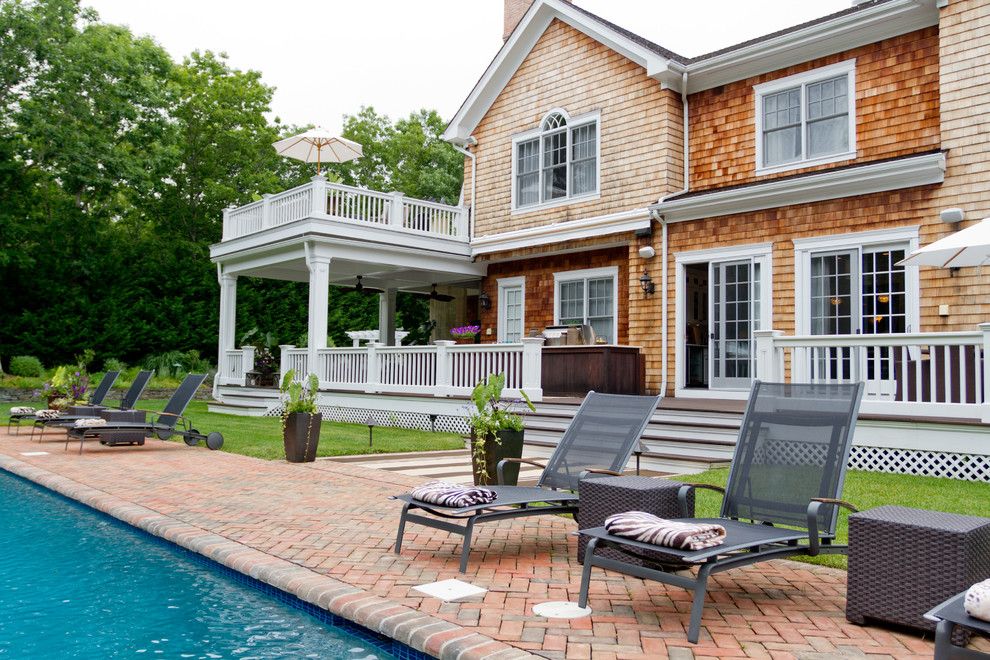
<point x="370" y="423"/>
<point x="647" y="283"/>
<point x="484" y="301"/>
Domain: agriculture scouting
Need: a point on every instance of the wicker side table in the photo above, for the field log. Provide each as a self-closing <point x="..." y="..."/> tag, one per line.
<point x="903" y="562"/>
<point x="602" y="497"/>
<point x="114" y="438"/>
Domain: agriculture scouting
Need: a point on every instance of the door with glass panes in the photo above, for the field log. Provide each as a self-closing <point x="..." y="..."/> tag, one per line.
<point x="735" y="312"/>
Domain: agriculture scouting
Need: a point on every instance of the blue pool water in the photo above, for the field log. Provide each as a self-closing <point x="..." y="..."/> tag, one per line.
<point x="76" y="584"/>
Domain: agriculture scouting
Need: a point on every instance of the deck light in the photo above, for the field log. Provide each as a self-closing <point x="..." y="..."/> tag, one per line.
<point x="370" y="423"/>
<point x="484" y="301"/>
<point x="647" y="283"/>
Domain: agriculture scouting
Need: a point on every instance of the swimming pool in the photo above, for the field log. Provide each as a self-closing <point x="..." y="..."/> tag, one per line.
<point x="77" y="584"/>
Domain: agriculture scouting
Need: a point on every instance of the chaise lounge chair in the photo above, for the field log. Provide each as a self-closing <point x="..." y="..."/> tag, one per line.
<point x="781" y="498"/>
<point x="950" y="615"/>
<point x="127" y="402"/>
<point x="167" y="423"/>
<point x="99" y="394"/>
<point x="599" y="440"/>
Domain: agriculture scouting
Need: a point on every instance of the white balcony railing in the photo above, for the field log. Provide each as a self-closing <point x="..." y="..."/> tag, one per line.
<point x="234" y="366"/>
<point x="942" y="374"/>
<point x="442" y="369"/>
<point x="334" y="201"/>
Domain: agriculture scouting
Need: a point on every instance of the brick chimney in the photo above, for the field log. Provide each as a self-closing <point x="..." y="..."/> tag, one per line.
<point x="514" y="10"/>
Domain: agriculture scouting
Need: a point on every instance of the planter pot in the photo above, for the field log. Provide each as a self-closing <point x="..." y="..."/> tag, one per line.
<point x="301" y="437"/>
<point x="509" y="445"/>
<point x="466" y="340"/>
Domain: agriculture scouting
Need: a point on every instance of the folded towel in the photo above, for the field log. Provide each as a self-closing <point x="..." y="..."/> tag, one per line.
<point x="647" y="528"/>
<point x="977" y="601"/>
<point x="22" y="410"/>
<point x="48" y="413"/>
<point x="453" y="495"/>
<point x="89" y="422"/>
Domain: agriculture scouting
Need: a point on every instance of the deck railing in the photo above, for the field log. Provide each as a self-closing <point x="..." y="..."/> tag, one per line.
<point x="235" y="365"/>
<point x="335" y="201"/>
<point x="941" y="374"/>
<point x="441" y="369"/>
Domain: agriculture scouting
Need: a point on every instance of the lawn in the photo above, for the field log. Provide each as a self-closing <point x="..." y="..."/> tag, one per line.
<point x="261" y="437"/>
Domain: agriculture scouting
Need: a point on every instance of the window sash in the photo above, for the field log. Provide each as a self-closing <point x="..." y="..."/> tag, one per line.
<point x="806" y="122"/>
<point x="589" y="300"/>
<point x="558" y="164"/>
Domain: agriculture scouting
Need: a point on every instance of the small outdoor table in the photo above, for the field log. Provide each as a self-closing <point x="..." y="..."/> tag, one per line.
<point x="950" y="616"/>
<point x="113" y="438"/>
<point x="903" y="562"/>
<point x="604" y="496"/>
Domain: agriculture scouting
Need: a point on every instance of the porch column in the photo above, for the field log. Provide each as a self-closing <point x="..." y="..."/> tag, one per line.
<point x="319" y="301"/>
<point x="228" y="319"/>
<point x="769" y="358"/>
<point x="532" y="367"/>
<point x="386" y="317"/>
<point x="985" y="330"/>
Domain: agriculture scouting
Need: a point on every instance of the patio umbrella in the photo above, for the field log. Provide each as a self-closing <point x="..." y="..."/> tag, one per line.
<point x="967" y="247"/>
<point x="318" y="145"/>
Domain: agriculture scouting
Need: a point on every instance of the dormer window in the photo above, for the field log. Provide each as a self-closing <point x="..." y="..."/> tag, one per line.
<point x="556" y="162"/>
<point x="806" y="119"/>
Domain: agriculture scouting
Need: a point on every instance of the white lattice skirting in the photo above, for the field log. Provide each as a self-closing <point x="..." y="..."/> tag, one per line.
<point x="404" y="420"/>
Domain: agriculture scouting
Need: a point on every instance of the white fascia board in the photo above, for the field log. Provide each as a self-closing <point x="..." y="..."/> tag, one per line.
<point x="847" y="182"/>
<point x="571" y="230"/>
<point x="842" y="33"/>
<point x="531" y="27"/>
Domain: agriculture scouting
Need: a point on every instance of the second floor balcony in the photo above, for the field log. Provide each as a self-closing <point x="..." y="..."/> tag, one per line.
<point x="349" y="210"/>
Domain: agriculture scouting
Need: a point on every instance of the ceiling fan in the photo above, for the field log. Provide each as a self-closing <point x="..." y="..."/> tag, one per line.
<point x="433" y="295"/>
<point x="359" y="287"/>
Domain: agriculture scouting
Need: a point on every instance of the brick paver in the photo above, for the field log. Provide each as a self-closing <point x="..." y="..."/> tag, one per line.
<point x="325" y="531"/>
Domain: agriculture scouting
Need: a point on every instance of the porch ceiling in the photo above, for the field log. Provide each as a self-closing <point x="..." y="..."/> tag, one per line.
<point x="344" y="272"/>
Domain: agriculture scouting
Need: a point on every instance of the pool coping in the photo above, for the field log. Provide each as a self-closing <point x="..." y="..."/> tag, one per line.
<point x="406" y="625"/>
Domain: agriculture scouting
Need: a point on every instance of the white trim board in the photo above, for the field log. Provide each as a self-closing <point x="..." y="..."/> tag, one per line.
<point x="560" y="232"/>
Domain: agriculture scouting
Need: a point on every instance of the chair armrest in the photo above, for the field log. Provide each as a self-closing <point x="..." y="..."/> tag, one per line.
<point x="500" y="468"/>
<point x="589" y="471"/>
<point x="683" y="491"/>
<point x="814" y="506"/>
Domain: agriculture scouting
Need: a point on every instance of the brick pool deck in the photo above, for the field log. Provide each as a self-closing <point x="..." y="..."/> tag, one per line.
<point x="325" y="531"/>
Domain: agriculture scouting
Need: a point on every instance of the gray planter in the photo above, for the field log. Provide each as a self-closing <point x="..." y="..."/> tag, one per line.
<point x="301" y="437"/>
<point x="510" y="445"/>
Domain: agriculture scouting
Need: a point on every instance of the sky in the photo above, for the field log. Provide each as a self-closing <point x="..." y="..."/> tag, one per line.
<point x="328" y="58"/>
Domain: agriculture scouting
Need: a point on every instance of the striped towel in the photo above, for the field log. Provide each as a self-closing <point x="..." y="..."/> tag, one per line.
<point x="647" y="528"/>
<point x="977" y="601"/>
<point x="456" y="496"/>
<point x="22" y="410"/>
<point x="89" y="422"/>
<point x="48" y="413"/>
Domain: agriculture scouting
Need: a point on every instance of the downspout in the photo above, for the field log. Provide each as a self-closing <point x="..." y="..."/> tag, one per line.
<point x="470" y="141"/>
<point x="656" y="214"/>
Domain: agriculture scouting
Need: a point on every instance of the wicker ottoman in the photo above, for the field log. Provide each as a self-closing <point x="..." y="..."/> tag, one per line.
<point x="114" y="438"/>
<point x="600" y="498"/>
<point x="903" y="562"/>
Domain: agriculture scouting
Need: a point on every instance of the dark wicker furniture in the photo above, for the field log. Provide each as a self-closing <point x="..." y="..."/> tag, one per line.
<point x="127" y="402"/>
<point x="600" y="439"/>
<point x="950" y="616"/>
<point x="603" y="497"/>
<point x="903" y="562"/>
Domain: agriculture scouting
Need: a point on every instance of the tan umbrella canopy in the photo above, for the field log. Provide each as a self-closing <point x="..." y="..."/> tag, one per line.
<point x="318" y="145"/>
<point x="967" y="247"/>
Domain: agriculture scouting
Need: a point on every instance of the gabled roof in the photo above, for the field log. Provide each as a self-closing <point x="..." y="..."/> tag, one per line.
<point x="864" y="23"/>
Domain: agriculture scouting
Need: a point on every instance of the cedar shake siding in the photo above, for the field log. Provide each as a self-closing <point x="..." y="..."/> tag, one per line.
<point x="897" y="111"/>
<point x="640" y="132"/>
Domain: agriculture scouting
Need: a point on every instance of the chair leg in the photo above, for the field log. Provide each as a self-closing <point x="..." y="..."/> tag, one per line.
<point x="589" y="553"/>
<point x="466" y="548"/>
<point x="698" y="604"/>
<point x="402" y="528"/>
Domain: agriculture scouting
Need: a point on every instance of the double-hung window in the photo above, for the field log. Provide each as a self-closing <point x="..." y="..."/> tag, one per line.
<point x="557" y="162"/>
<point x="588" y="296"/>
<point x="806" y="119"/>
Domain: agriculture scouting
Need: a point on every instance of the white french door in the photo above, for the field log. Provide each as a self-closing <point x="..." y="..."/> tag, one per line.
<point x="511" y="310"/>
<point x="735" y="312"/>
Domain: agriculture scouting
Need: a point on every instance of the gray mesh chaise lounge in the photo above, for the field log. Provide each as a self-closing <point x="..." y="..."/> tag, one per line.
<point x="949" y="615"/>
<point x="127" y="402"/>
<point x="167" y="423"/>
<point x="600" y="439"/>
<point x="99" y="394"/>
<point x="781" y="498"/>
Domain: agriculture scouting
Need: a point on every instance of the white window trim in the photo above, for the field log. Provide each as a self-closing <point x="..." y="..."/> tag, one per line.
<point x="731" y="253"/>
<point x="585" y="274"/>
<point x="508" y="283"/>
<point x="573" y="122"/>
<point x="805" y="247"/>
<point x="802" y="79"/>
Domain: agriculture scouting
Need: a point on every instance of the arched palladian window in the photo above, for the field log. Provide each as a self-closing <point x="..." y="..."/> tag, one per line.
<point x="557" y="161"/>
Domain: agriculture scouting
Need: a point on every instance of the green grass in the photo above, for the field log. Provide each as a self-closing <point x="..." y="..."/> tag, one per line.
<point x="867" y="490"/>
<point x="261" y="437"/>
<point x="121" y="384"/>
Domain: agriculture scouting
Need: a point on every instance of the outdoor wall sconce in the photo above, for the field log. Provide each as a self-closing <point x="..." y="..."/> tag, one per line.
<point x="647" y="283"/>
<point x="484" y="301"/>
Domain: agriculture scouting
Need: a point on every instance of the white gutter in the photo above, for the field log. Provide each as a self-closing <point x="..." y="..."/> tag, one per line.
<point x="474" y="171"/>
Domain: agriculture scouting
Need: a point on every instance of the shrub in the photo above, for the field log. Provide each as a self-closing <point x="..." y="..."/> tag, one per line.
<point x="26" y="365"/>
<point x="113" y="364"/>
<point x="174" y="364"/>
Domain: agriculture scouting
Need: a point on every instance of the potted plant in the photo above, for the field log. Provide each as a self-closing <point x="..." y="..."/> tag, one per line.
<point x="300" y="419"/>
<point x="496" y="431"/>
<point x="66" y="386"/>
<point x="466" y="334"/>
